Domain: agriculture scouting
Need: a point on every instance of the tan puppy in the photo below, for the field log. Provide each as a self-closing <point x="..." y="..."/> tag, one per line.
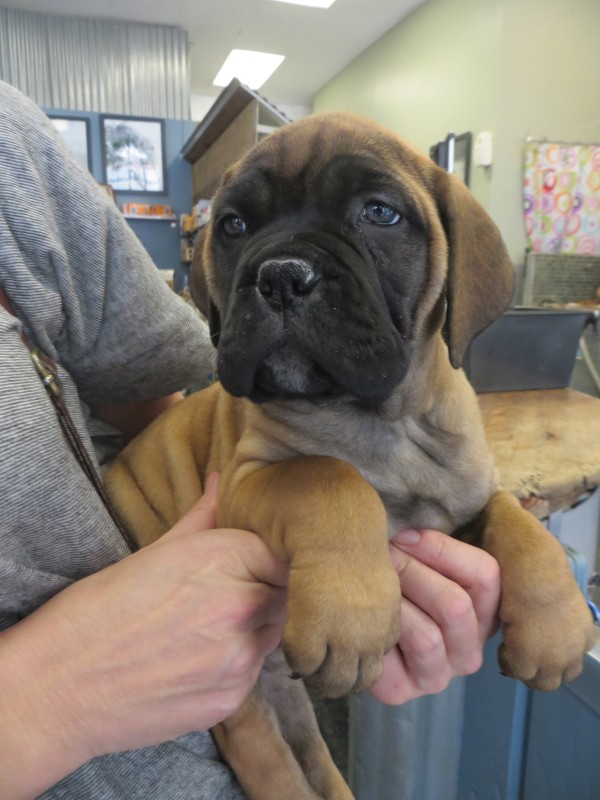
<point x="335" y="255"/>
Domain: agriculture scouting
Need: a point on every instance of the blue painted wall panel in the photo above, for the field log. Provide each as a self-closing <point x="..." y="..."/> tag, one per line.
<point x="494" y="733"/>
<point x="563" y="753"/>
<point x="160" y="238"/>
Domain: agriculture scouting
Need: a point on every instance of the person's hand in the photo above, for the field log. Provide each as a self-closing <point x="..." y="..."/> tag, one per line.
<point x="451" y="592"/>
<point x="169" y="640"/>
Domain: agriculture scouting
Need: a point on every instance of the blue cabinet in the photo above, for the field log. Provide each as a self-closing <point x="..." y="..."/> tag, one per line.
<point x="524" y="745"/>
<point x="488" y="737"/>
<point x="563" y="754"/>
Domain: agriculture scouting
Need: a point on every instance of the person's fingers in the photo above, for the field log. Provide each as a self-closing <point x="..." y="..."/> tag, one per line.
<point x="470" y="567"/>
<point x="249" y="557"/>
<point x="268" y="607"/>
<point x="418" y="665"/>
<point x="203" y="514"/>
<point x="251" y="646"/>
<point x="394" y="687"/>
<point x="211" y="488"/>
<point x="268" y="639"/>
<point x="448" y="607"/>
<point x="263" y="566"/>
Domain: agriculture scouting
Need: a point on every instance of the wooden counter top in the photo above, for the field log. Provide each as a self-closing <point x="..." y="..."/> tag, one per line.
<point x="546" y="444"/>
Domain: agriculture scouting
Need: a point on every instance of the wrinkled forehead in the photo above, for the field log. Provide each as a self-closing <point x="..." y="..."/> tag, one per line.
<point x="331" y="162"/>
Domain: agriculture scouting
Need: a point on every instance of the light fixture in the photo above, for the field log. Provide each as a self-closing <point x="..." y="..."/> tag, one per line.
<point x="249" y="66"/>
<point x="312" y="3"/>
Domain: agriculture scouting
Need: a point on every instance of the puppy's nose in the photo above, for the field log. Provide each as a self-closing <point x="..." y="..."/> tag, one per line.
<point x="282" y="280"/>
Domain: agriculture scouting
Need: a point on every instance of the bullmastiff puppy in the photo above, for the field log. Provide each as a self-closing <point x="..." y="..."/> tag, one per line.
<point x="344" y="276"/>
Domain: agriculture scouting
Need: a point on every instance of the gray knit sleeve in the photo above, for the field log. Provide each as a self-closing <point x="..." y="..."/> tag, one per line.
<point x="86" y="288"/>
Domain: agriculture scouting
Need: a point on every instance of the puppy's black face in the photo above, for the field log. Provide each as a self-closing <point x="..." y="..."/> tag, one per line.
<point x="317" y="271"/>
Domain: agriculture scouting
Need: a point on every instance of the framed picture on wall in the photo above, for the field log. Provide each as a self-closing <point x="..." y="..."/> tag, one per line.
<point x="454" y="154"/>
<point x="76" y="133"/>
<point x="462" y="156"/>
<point x="133" y="154"/>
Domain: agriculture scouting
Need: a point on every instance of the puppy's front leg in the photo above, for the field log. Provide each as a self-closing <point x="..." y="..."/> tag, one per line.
<point x="251" y="743"/>
<point x="321" y="516"/>
<point x="547" y="626"/>
<point x="274" y="745"/>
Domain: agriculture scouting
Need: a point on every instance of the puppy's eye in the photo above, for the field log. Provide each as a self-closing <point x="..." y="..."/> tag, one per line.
<point x="380" y="214"/>
<point x="233" y="225"/>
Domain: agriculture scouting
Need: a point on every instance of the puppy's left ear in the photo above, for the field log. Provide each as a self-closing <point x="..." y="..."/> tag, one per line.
<point x="480" y="273"/>
<point x="199" y="288"/>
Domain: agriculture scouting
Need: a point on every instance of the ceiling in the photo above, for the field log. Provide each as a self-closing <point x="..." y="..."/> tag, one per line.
<point x="316" y="43"/>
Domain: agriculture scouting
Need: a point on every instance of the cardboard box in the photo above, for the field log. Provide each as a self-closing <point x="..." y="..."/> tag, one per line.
<point x="187" y="224"/>
<point x="146" y="210"/>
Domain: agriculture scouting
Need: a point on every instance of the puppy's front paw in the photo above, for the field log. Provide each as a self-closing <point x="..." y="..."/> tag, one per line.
<point x="546" y="636"/>
<point x="341" y="622"/>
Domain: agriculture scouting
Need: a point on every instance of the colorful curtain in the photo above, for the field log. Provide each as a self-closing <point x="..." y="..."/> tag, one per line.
<point x="562" y="198"/>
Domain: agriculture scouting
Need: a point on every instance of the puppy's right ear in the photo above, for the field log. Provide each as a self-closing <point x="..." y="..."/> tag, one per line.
<point x="480" y="272"/>
<point x="199" y="288"/>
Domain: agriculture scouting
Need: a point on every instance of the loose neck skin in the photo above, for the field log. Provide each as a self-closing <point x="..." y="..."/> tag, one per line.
<point x="426" y="391"/>
<point x="426" y="441"/>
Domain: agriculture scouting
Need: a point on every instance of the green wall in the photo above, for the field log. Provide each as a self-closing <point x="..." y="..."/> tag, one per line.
<point x="473" y="65"/>
<point x="550" y="88"/>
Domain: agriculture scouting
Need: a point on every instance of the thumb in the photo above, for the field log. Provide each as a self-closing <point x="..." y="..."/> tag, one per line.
<point x="203" y="515"/>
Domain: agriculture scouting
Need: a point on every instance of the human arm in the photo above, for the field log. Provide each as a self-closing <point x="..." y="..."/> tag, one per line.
<point x="451" y="592"/>
<point x="84" y="287"/>
<point x="132" y="418"/>
<point x="169" y="640"/>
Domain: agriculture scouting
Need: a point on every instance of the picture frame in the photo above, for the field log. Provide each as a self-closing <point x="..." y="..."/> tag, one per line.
<point x="462" y="157"/>
<point x="454" y="155"/>
<point x="76" y="133"/>
<point x="133" y="154"/>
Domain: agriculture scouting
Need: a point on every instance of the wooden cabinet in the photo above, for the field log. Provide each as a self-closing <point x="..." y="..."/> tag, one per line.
<point x="236" y="121"/>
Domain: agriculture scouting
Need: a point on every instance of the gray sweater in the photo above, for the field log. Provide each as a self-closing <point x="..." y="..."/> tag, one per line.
<point x="88" y="295"/>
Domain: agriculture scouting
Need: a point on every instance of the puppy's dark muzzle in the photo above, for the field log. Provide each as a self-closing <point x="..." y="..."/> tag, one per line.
<point x="306" y="316"/>
<point x="286" y="280"/>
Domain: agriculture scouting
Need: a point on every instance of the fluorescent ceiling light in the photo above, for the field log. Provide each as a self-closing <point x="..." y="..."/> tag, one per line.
<point x="249" y="66"/>
<point x="313" y="3"/>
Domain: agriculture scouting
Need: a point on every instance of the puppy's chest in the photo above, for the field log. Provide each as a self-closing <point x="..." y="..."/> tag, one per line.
<point x="427" y="477"/>
<point x="414" y="472"/>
